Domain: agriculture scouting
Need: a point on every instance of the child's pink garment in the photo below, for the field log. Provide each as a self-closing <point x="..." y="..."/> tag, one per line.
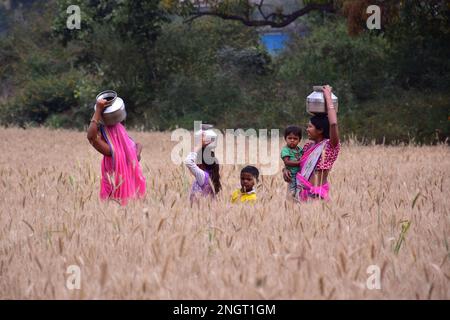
<point x="122" y="176"/>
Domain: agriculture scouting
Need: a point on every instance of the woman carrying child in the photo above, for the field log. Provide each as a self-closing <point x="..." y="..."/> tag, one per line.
<point x="319" y="155"/>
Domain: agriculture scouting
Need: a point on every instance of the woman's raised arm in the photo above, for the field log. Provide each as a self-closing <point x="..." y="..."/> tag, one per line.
<point x="332" y="116"/>
<point x="92" y="133"/>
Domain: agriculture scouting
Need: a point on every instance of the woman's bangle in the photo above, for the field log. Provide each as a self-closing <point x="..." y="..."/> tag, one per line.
<point x="96" y="122"/>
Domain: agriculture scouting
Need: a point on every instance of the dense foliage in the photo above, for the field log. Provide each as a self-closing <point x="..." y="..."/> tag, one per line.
<point x="392" y="83"/>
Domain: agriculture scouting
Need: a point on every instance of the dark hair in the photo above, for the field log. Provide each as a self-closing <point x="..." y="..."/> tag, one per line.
<point x="320" y="121"/>
<point x="252" y="170"/>
<point x="213" y="170"/>
<point x="296" y="131"/>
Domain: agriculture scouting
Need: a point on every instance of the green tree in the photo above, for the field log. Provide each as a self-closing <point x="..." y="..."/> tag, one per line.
<point x="356" y="66"/>
<point x="420" y="38"/>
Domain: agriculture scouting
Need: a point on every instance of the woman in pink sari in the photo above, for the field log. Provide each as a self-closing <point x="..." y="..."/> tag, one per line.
<point x="319" y="155"/>
<point x="122" y="177"/>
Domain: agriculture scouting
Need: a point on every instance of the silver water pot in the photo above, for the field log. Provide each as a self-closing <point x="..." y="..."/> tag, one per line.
<point x="115" y="111"/>
<point x="315" y="102"/>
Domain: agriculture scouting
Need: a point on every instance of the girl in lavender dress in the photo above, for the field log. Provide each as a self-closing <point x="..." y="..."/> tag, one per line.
<point x="206" y="172"/>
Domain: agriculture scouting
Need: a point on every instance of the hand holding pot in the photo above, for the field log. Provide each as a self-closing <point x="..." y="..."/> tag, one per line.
<point x="101" y="105"/>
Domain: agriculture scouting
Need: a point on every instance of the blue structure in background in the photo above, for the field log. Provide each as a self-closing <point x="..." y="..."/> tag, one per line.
<point x="274" y="42"/>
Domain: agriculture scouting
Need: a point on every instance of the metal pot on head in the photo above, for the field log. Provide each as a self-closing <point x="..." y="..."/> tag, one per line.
<point x="210" y="135"/>
<point x="315" y="102"/>
<point x="115" y="111"/>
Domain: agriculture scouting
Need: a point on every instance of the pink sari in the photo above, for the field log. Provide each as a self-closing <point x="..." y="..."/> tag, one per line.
<point x="305" y="189"/>
<point x="122" y="177"/>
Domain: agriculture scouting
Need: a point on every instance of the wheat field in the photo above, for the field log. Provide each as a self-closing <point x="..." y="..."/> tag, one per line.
<point x="161" y="248"/>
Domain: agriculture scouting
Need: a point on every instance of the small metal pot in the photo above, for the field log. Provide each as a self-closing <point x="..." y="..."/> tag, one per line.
<point x="108" y="95"/>
<point x="115" y="113"/>
<point x="315" y="102"/>
<point x="210" y="135"/>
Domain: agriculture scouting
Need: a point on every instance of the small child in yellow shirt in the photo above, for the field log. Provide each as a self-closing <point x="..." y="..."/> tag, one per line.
<point x="247" y="192"/>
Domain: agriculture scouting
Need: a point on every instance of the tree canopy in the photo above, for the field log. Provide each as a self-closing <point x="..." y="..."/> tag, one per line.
<point x="175" y="62"/>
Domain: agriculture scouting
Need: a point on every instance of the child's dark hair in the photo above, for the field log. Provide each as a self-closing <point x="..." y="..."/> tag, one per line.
<point x="320" y="121"/>
<point x="252" y="170"/>
<point x="296" y="131"/>
<point x="214" y="172"/>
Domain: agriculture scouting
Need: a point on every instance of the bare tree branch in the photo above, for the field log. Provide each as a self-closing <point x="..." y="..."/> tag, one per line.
<point x="274" y="20"/>
<point x="261" y="3"/>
